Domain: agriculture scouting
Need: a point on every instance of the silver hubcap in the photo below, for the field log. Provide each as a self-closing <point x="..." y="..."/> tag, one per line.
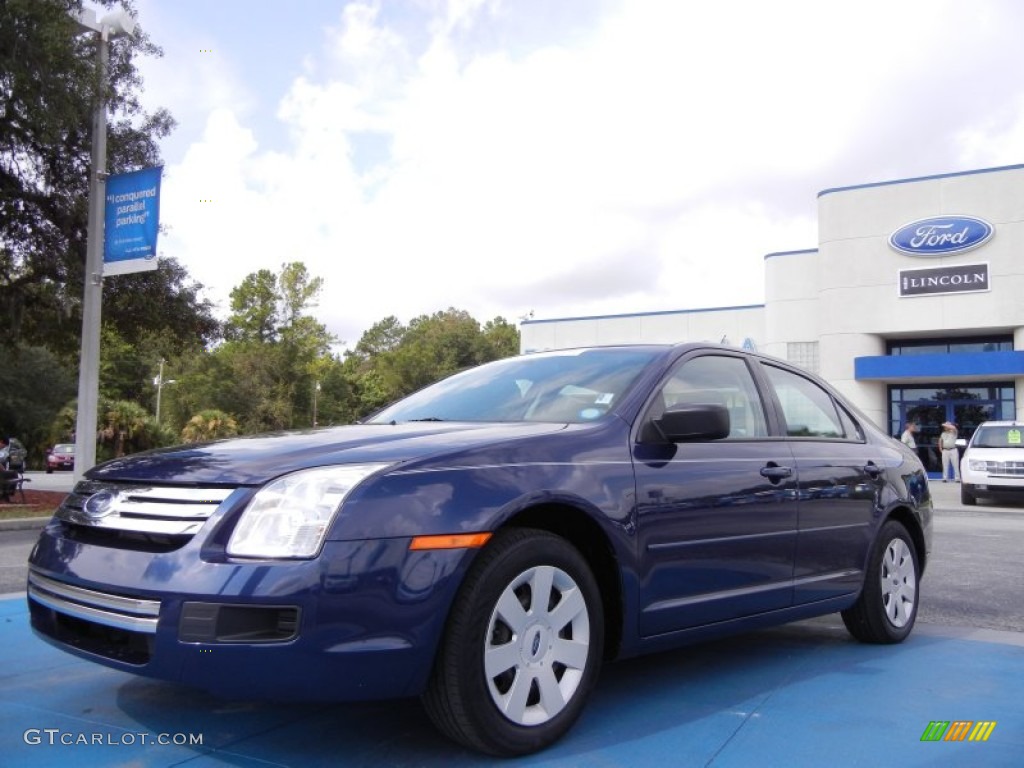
<point x="899" y="583"/>
<point x="538" y="641"/>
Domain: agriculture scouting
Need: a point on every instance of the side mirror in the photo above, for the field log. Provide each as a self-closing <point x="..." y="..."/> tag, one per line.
<point x="693" y="421"/>
<point x="961" y="442"/>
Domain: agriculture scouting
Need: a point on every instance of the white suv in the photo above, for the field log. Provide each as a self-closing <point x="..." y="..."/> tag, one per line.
<point x="993" y="464"/>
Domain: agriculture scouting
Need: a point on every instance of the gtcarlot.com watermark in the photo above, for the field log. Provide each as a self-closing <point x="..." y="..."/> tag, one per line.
<point x="54" y="737"/>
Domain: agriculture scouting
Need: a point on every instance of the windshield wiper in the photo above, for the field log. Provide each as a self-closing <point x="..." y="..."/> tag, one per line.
<point x="428" y="418"/>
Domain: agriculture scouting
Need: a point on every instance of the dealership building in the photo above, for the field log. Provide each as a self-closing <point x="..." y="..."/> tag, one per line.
<point x="912" y="305"/>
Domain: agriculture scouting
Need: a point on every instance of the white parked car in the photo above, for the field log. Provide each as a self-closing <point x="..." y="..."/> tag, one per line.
<point x="993" y="464"/>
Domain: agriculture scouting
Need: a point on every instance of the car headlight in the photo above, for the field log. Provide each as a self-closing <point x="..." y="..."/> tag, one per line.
<point x="289" y="517"/>
<point x="977" y="466"/>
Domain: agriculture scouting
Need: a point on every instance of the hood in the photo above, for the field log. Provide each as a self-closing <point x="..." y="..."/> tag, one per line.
<point x="995" y="454"/>
<point x="255" y="460"/>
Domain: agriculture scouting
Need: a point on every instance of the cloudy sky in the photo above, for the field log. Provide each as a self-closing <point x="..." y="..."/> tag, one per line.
<point x="560" y="157"/>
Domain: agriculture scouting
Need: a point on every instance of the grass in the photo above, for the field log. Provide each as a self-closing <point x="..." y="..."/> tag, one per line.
<point x="36" y="504"/>
<point x="15" y="511"/>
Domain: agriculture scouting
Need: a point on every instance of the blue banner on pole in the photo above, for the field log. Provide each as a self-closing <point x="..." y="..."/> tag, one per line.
<point x="132" y="221"/>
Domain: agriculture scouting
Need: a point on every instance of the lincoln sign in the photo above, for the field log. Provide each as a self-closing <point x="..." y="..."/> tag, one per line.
<point x="967" y="278"/>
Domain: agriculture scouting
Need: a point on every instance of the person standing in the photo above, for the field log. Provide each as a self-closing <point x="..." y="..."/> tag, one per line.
<point x="947" y="448"/>
<point x="907" y="438"/>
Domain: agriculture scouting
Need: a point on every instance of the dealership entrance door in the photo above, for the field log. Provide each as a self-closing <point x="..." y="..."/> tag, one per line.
<point x="966" y="405"/>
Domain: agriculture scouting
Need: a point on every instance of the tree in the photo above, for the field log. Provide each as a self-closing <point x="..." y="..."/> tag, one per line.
<point x="434" y="346"/>
<point x="382" y="336"/>
<point x="126" y="427"/>
<point x="392" y="360"/>
<point x="48" y="86"/>
<point x="275" y="354"/>
<point x="33" y="387"/>
<point x="123" y="427"/>
<point x="209" y="425"/>
<point x="297" y="292"/>
<point x="162" y="306"/>
<point x="254" y="310"/>
<point x="499" y="339"/>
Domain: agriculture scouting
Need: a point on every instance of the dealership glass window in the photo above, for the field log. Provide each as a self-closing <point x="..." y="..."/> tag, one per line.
<point x="964" y="346"/>
<point x="804" y="354"/>
<point x="967" y="405"/>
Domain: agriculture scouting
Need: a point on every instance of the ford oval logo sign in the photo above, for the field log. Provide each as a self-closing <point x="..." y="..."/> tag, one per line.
<point x="99" y="505"/>
<point x="941" y="235"/>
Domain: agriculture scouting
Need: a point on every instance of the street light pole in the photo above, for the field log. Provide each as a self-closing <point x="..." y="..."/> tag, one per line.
<point x="92" y="298"/>
<point x="159" y="382"/>
<point x="159" y="389"/>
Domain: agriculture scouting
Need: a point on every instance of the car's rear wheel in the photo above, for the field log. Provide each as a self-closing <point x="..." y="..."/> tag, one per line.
<point x="522" y="647"/>
<point x="887" y="607"/>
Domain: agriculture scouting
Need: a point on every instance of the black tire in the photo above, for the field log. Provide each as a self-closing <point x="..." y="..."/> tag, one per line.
<point x="49" y="470"/>
<point x="886" y="610"/>
<point x="966" y="497"/>
<point x="552" y="661"/>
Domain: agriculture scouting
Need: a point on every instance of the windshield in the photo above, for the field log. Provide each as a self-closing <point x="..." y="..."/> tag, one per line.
<point x="574" y="386"/>
<point x="999" y="437"/>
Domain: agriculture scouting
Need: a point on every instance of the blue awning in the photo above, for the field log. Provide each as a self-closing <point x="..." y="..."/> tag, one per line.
<point x="977" y="366"/>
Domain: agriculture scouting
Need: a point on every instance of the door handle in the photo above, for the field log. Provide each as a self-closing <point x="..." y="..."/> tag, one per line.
<point x="775" y="473"/>
<point x="873" y="469"/>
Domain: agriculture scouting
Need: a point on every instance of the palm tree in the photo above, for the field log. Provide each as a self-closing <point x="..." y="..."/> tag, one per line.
<point x="209" y="425"/>
<point x="127" y="425"/>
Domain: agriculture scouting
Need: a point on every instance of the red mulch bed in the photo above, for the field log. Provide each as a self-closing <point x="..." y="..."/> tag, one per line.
<point x="50" y="498"/>
<point x="36" y="502"/>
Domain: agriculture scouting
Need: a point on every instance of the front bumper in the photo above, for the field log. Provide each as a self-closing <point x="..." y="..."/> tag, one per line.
<point x="361" y="621"/>
<point x="990" y="490"/>
<point x="989" y="485"/>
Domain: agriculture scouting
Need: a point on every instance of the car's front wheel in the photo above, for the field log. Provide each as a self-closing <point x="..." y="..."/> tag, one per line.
<point x="522" y="647"/>
<point x="887" y="607"/>
<point x="966" y="497"/>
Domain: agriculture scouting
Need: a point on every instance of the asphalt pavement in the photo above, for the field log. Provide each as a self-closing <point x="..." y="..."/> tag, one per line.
<point x="805" y="694"/>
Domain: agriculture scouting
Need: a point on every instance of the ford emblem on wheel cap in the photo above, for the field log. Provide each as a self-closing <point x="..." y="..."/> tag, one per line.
<point x="941" y="235"/>
<point x="99" y="505"/>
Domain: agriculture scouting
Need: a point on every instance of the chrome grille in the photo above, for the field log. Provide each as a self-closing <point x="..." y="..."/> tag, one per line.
<point x="1006" y="468"/>
<point x="131" y="613"/>
<point x="161" y="511"/>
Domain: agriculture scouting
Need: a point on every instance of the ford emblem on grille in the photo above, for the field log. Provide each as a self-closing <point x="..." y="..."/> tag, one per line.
<point x="99" y="505"/>
<point x="941" y="235"/>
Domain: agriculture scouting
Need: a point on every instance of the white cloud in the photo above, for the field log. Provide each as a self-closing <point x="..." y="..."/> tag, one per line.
<point x="648" y="164"/>
<point x="998" y="139"/>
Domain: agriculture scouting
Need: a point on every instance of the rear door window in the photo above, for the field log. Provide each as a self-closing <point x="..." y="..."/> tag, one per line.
<point x="808" y="410"/>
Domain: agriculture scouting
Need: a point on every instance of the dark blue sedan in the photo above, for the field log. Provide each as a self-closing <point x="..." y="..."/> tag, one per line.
<point x="488" y="541"/>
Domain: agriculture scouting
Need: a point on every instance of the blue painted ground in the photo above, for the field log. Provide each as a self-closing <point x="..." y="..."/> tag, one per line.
<point x="801" y="695"/>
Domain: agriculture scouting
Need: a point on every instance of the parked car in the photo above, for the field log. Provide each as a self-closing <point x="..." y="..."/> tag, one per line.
<point x="489" y="541"/>
<point x="61" y="456"/>
<point x="993" y="464"/>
